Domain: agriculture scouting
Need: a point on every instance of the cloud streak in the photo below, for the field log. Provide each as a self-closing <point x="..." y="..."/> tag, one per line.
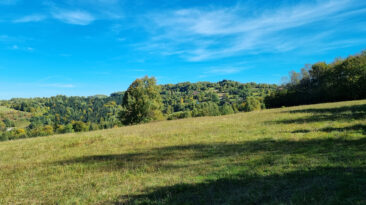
<point x="76" y="17"/>
<point x="203" y="34"/>
<point x="8" y="2"/>
<point x="30" y="18"/>
<point x="58" y="85"/>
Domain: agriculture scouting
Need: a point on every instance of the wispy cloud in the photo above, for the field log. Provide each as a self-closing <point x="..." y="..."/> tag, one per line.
<point x="58" y="85"/>
<point x="224" y="70"/>
<point x="30" y="18"/>
<point x="8" y="2"/>
<point x="202" y="34"/>
<point x="21" y="48"/>
<point x="4" y="37"/>
<point x="74" y="17"/>
<point x="84" y="12"/>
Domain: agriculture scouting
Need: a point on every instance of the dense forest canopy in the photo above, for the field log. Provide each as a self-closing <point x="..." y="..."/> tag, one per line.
<point x="343" y="79"/>
<point x="62" y="114"/>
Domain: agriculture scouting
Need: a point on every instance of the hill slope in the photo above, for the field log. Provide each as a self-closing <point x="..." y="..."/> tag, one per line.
<point x="300" y="155"/>
<point x="17" y="118"/>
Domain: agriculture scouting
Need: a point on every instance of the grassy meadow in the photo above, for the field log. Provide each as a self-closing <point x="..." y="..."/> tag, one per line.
<point x="312" y="154"/>
<point x="20" y="119"/>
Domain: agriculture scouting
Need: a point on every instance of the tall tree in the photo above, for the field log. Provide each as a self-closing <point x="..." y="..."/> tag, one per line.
<point x="141" y="102"/>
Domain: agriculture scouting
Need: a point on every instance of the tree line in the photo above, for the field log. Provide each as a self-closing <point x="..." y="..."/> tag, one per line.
<point x="343" y="79"/>
<point x="144" y="101"/>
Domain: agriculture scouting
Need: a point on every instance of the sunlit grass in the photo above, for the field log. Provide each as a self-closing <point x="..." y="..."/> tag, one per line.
<point x="5" y="109"/>
<point x="20" y="119"/>
<point x="299" y="155"/>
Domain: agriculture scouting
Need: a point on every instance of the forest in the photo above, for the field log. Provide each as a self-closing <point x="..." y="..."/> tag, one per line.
<point x="144" y="101"/>
<point x="62" y="114"/>
<point x="341" y="80"/>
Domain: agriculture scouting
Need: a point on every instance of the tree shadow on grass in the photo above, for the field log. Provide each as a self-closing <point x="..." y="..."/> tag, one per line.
<point x="341" y="179"/>
<point x="322" y="185"/>
<point x="358" y="128"/>
<point x="354" y="128"/>
<point x="165" y="157"/>
<point x="345" y="113"/>
<point x="335" y="110"/>
<point x="301" y="131"/>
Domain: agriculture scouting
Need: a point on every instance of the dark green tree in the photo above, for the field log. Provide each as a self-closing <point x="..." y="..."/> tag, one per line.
<point x="141" y="102"/>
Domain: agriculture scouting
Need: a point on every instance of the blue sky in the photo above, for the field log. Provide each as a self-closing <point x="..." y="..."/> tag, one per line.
<point x="87" y="47"/>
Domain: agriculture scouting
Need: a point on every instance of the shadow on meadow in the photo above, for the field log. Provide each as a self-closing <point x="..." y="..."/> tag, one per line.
<point x="308" y="171"/>
<point x="354" y="128"/>
<point x="165" y="157"/>
<point x="345" y="113"/>
<point x="323" y="185"/>
<point x="338" y="177"/>
<point x="340" y="180"/>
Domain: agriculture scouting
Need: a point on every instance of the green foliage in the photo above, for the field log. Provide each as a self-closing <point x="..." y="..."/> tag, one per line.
<point x="181" y="100"/>
<point x="206" y="109"/>
<point x="344" y="79"/>
<point x="252" y="104"/>
<point x="179" y="115"/>
<point x="9" y="123"/>
<point x="41" y="131"/>
<point x="2" y="126"/>
<point x="79" y="126"/>
<point x="94" y="126"/>
<point x="226" y="109"/>
<point x="17" y="133"/>
<point x="4" y="136"/>
<point x="141" y="102"/>
<point x="65" y="128"/>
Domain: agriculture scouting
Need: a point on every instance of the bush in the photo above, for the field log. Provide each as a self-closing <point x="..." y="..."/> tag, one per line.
<point x="252" y="104"/>
<point x="64" y="129"/>
<point x="2" y="126"/>
<point x="4" y="137"/>
<point x="79" y="126"/>
<point x="17" y="133"/>
<point x="179" y="115"/>
<point x="226" y="109"/>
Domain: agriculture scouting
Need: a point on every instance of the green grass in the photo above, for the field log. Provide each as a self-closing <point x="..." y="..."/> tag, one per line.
<point x="300" y="155"/>
<point x="5" y="109"/>
<point x="21" y="119"/>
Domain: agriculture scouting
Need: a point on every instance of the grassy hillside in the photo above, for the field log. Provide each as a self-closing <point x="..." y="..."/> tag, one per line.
<point x="20" y="119"/>
<point x="301" y="155"/>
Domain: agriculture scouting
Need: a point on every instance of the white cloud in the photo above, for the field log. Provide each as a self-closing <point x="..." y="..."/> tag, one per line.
<point x="4" y="37"/>
<point x="74" y="17"/>
<point x="202" y="34"/>
<point x="8" y="2"/>
<point x="30" y="18"/>
<point x="21" y="48"/>
<point x="101" y="9"/>
<point x="58" y="85"/>
<point x="224" y="70"/>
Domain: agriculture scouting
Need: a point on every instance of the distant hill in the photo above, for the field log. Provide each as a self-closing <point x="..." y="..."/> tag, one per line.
<point x="13" y="118"/>
<point x="62" y="114"/>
